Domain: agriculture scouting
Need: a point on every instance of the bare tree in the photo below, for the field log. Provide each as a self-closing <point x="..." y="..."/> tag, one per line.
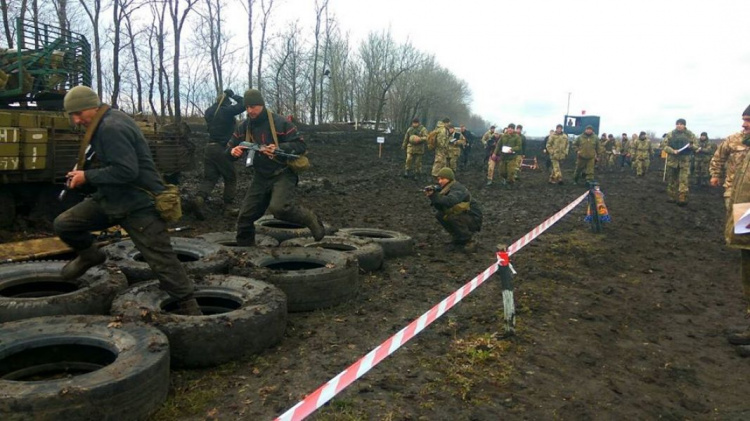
<point x="178" y="21"/>
<point x="321" y="6"/>
<point x="287" y="64"/>
<point x="136" y="67"/>
<point x="93" y="11"/>
<point x="266" y="6"/>
<point x="61" y="10"/>
<point x="250" y="59"/>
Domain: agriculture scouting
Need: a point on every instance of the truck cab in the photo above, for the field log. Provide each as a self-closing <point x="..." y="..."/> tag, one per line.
<point x="576" y="124"/>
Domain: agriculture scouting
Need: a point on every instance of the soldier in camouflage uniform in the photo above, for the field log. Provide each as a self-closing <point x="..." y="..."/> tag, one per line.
<point x="623" y="148"/>
<point x="414" y="144"/>
<point x="456" y="211"/>
<point x="728" y="156"/>
<point x="522" y="154"/>
<point x="738" y="179"/>
<point x="702" y="159"/>
<point x="492" y="159"/>
<point x="587" y="148"/>
<point x="557" y="147"/>
<point x="679" y="145"/>
<point x="441" y="146"/>
<point x="642" y="151"/>
<point x="456" y="141"/>
<point x="488" y="141"/>
<point x="507" y="148"/>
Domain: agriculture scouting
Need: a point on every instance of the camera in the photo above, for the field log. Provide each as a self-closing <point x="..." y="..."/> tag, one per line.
<point x="432" y="187"/>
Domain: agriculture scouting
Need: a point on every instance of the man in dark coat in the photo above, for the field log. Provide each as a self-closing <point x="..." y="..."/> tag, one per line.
<point x="455" y="210"/>
<point x="274" y="183"/>
<point x="119" y="166"/>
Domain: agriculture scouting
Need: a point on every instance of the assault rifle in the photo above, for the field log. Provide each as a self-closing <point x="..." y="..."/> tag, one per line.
<point x="276" y="153"/>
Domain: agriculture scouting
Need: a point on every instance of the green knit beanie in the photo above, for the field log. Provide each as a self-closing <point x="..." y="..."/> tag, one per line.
<point x="447" y="173"/>
<point x="253" y="97"/>
<point x="80" y="98"/>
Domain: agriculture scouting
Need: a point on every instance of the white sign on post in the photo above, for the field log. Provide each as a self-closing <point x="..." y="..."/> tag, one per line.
<point x="381" y="139"/>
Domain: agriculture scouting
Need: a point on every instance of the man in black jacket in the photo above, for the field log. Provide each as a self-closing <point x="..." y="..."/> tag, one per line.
<point x="119" y="166"/>
<point x="455" y="210"/>
<point x="274" y="182"/>
<point x="220" y="121"/>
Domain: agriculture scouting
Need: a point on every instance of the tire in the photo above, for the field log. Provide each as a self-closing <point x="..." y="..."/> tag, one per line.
<point x="395" y="244"/>
<point x="81" y="368"/>
<point x="199" y="258"/>
<point x="242" y="317"/>
<point x="283" y="230"/>
<point x="35" y="289"/>
<point x="228" y="239"/>
<point x="369" y="254"/>
<point x="311" y="278"/>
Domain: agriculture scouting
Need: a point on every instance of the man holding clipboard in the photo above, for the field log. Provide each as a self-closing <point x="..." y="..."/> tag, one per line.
<point x="679" y="146"/>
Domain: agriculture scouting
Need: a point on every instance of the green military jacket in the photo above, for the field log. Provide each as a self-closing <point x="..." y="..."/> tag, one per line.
<point x="513" y="140"/>
<point x="588" y="146"/>
<point x="642" y="149"/>
<point x="411" y="146"/>
<point x="673" y="142"/>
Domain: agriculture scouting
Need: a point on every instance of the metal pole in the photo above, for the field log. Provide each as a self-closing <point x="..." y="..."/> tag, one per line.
<point x="568" y="111"/>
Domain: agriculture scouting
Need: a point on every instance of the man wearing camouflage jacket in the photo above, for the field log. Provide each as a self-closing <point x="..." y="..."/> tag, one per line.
<point x="679" y="146"/>
<point x="414" y="144"/>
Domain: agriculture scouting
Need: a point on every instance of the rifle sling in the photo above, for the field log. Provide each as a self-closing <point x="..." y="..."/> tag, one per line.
<point x="90" y="130"/>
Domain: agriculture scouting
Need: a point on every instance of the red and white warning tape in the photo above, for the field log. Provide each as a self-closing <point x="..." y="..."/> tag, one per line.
<point x="326" y="392"/>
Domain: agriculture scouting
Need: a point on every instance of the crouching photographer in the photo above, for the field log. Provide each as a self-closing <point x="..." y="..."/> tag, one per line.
<point x="456" y="211"/>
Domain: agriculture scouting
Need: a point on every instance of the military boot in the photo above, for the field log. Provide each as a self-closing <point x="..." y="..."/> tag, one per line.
<point x="199" y="208"/>
<point x="682" y="199"/>
<point x="317" y="229"/>
<point x="188" y="306"/>
<point x="86" y="259"/>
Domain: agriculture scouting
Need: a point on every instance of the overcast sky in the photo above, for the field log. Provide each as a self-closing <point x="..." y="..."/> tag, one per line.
<point x="639" y="64"/>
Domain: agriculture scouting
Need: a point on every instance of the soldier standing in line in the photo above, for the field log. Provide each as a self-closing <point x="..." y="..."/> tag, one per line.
<point x="522" y="154"/>
<point x="679" y="146"/>
<point x="441" y="146"/>
<point x="587" y="148"/>
<point x="455" y="143"/>
<point x="456" y="211"/>
<point x="702" y="160"/>
<point x="602" y="162"/>
<point x="642" y="151"/>
<point x="738" y="179"/>
<point x="623" y="150"/>
<point x="465" y="159"/>
<point x="545" y="151"/>
<point x="414" y="145"/>
<point x="557" y="148"/>
<point x="488" y="141"/>
<point x="507" y="148"/>
<point x="216" y="164"/>
<point x="492" y="159"/>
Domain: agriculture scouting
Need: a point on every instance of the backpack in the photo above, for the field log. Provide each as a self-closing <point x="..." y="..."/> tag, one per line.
<point x="432" y="139"/>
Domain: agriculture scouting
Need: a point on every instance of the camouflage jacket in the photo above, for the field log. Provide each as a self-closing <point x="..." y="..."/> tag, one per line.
<point x="705" y="151"/>
<point x="642" y="149"/>
<point x="587" y="147"/>
<point x="486" y="137"/>
<point x="667" y="145"/>
<point x="420" y="131"/>
<point x="441" y="142"/>
<point x="740" y="193"/>
<point x="557" y="146"/>
<point x="728" y="156"/>
<point x="607" y="144"/>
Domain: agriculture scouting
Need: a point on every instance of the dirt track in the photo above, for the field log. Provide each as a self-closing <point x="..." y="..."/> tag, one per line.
<point x="628" y="324"/>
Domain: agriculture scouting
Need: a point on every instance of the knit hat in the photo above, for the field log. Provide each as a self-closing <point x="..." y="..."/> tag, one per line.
<point x="447" y="173"/>
<point x="80" y="98"/>
<point x="681" y="121"/>
<point x="747" y="111"/>
<point x="643" y="134"/>
<point x="511" y="126"/>
<point x="706" y="134"/>
<point x="253" y="97"/>
<point x="589" y="127"/>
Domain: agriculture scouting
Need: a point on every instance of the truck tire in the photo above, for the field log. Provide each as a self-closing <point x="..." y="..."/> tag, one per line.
<point x="284" y="230"/>
<point x="369" y="254"/>
<point x="242" y="316"/>
<point x="35" y="289"/>
<point x="395" y="244"/>
<point x="228" y="239"/>
<point x="199" y="257"/>
<point x="81" y="368"/>
<point x="311" y="278"/>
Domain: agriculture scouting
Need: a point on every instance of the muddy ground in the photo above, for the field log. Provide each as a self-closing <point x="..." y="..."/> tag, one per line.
<point x="627" y="324"/>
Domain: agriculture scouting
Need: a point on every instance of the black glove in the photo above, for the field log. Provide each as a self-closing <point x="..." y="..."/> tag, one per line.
<point x="229" y="93"/>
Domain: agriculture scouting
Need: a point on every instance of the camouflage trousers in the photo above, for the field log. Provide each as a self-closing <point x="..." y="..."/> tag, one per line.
<point x="491" y="169"/>
<point x="454" y="154"/>
<point x="517" y="170"/>
<point x="147" y="231"/>
<point x="216" y="165"/>
<point x="556" y="175"/>
<point x="441" y="161"/>
<point x="608" y="160"/>
<point x="414" y="162"/>
<point x="641" y="165"/>
<point x="700" y="174"/>
<point x="677" y="181"/>
<point x="584" y="167"/>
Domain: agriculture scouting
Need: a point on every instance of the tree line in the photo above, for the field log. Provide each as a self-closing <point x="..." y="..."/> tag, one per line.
<point x="171" y="58"/>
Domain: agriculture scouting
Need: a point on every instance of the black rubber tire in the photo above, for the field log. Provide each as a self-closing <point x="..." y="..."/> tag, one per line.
<point x="130" y="363"/>
<point x="228" y="239"/>
<point x="369" y="254"/>
<point x="243" y="316"/>
<point x="35" y="289"/>
<point x="283" y="230"/>
<point x="395" y="244"/>
<point x="325" y="278"/>
<point x="204" y="258"/>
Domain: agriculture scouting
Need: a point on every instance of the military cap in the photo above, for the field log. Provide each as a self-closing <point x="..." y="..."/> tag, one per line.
<point x="253" y="97"/>
<point x="589" y="127"/>
<point x="704" y="134"/>
<point x="80" y="98"/>
<point x="747" y="111"/>
<point x="511" y="126"/>
<point x="681" y="121"/>
<point x="446" y="173"/>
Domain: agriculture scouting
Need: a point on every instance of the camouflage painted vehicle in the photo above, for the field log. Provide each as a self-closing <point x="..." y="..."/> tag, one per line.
<point x="38" y="143"/>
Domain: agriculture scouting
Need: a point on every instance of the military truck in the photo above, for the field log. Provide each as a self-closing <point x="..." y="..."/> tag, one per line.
<point x="38" y="142"/>
<point x="576" y="124"/>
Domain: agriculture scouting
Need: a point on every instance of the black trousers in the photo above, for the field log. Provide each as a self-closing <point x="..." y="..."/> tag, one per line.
<point x="216" y="165"/>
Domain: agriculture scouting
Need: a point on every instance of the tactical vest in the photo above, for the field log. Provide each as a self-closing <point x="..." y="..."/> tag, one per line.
<point x="678" y="139"/>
